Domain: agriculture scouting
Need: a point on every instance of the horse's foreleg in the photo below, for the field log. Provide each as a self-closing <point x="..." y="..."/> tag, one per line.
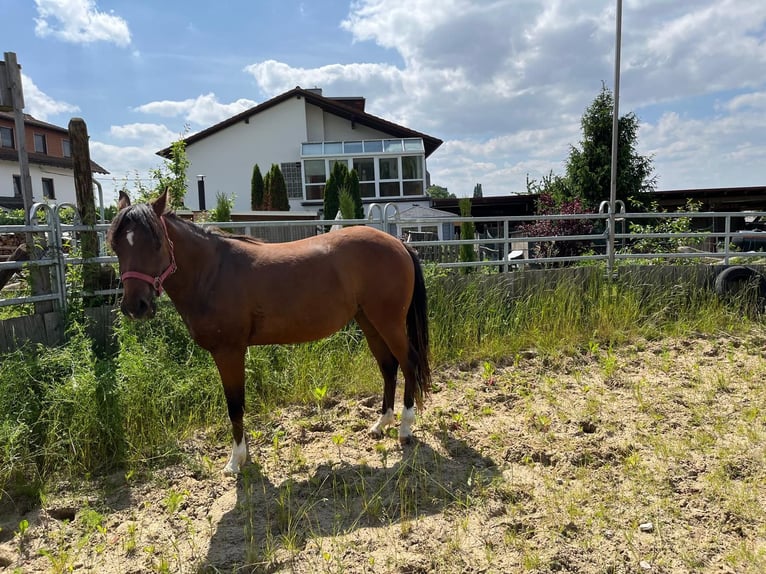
<point x="231" y="367"/>
<point x="388" y="366"/>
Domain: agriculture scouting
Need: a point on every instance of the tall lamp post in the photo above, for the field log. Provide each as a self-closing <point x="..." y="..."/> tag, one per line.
<point x="201" y="191"/>
<point x="615" y="140"/>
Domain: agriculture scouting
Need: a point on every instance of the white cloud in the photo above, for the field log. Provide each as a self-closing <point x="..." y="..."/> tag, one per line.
<point x="79" y="22"/>
<point x="40" y="105"/>
<point x="505" y="82"/>
<point x="204" y="110"/>
<point x="153" y="136"/>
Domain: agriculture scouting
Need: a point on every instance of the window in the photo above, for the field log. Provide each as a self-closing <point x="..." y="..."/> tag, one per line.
<point x="16" y="186"/>
<point x="311" y="148"/>
<point x="373" y="146"/>
<point x="315" y="177"/>
<point x="389" y="167"/>
<point x="6" y="137"/>
<point x="41" y="146"/>
<point x="48" y="191"/>
<point x="392" y="167"/>
<point x="66" y="148"/>
<point x="365" y="171"/>
<point x="352" y="147"/>
<point x="412" y="167"/>
<point x="412" y="174"/>
<point x="292" y="174"/>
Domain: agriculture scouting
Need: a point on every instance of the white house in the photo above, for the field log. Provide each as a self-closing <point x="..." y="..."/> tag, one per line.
<point x="305" y="133"/>
<point x="50" y="162"/>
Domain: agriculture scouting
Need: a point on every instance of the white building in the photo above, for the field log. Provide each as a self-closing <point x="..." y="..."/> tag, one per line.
<point x="50" y="162"/>
<point x="305" y="133"/>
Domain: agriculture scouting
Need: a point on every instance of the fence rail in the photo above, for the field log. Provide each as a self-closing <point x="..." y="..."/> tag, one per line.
<point x="500" y="245"/>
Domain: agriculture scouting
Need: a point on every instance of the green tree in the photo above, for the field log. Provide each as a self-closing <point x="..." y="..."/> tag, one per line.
<point x="223" y="207"/>
<point x="346" y="205"/>
<point x="439" y="192"/>
<point x="266" y="203"/>
<point x="467" y="231"/>
<point x="172" y="174"/>
<point x="277" y="191"/>
<point x="589" y="166"/>
<point x="256" y="189"/>
<point x="352" y="185"/>
<point x="477" y="192"/>
<point x="332" y="189"/>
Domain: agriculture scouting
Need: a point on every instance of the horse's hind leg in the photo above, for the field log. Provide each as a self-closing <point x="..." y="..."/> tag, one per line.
<point x="231" y="367"/>
<point x="388" y="366"/>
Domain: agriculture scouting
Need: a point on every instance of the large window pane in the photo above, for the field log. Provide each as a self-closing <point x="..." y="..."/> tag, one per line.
<point x="373" y="146"/>
<point x="365" y="168"/>
<point x="412" y="167"/>
<point x="333" y="147"/>
<point x="392" y="145"/>
<point x="41" y="145"/>
<point x="352" y="147"/>
<point x="314" y="170"/>
<point x="6" y="137"/>
<point x="389" y="189"/>
<point x="315" y="191"/>
<point x="413" y="187"/>
<point x="389" y="168"/>
<point x="367" y="189"/>
<point x="413" y="145"/>
<point x="311" y="148"/>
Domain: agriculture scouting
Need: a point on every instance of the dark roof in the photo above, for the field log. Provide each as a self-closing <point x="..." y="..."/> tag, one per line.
<point x="715" y="198"/>
<point x="718" y="199"/>
<point x="349" y="110"/>
<point x="7" y="154"/>
<point x="32" y="121"/>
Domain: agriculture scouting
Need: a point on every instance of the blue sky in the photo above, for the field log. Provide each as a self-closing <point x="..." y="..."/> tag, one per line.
<point x="503" y="82"/>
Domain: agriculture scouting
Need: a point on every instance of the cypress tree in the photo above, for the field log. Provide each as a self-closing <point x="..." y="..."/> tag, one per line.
<point x="256" y="189"/>
<point x="278" y="190"/>
<point x="332" y="189"/>
<point x="266" y="203"/>
<point x="352" y="185"/>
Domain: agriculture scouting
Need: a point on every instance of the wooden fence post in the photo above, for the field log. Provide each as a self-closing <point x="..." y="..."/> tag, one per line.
<point x="86" y="204"/>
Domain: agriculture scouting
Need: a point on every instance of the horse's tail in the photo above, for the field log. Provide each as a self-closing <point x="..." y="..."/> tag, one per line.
<point x="417" y="332"/>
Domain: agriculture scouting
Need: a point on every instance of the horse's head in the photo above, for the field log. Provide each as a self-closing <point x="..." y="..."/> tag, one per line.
<point x="138" y="237"/>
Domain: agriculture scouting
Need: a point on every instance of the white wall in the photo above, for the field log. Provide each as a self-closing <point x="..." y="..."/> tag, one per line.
<point x="226" y="158"/>
<point x="339" y="129"/>
<point x="63" y="181"/>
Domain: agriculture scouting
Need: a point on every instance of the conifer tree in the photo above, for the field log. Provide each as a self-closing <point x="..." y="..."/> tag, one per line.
<point x="256" y="189"/>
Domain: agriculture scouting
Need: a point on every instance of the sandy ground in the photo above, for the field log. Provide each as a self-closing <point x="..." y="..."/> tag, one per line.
<point x="647" y="458"/>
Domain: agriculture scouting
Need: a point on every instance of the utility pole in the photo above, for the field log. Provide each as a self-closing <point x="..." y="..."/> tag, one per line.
<point x="615" y="140"/>
<point x="12" y="99"/>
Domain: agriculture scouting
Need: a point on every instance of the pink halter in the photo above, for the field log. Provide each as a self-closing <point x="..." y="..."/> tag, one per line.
<point x="157" y="281"/>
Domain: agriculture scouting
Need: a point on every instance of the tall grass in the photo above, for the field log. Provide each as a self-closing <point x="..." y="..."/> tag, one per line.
<point x="68" y="410"/>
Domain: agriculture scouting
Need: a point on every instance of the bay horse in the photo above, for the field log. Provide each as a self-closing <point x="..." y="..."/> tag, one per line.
<point x="233" y="291"/>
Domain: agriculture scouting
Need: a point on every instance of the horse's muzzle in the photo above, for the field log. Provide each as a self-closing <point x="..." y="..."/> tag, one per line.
<point x="140" y="307"/>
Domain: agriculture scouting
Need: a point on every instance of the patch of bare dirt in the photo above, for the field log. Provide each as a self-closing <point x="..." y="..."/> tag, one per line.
<point x="647" y="458"/>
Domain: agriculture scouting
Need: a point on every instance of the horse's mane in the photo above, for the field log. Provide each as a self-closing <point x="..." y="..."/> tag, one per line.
<point x="142" y="215"/>
<point x="211" y="231"/>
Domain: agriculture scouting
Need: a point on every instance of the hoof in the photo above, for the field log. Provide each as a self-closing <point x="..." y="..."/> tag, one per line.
<point x="376" y="433"/>
<point x="406" y="440"/>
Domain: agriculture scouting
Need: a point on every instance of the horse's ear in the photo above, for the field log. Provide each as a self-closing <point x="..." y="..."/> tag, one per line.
<point x="123" y="201"/>
<point x="161" y="203"/>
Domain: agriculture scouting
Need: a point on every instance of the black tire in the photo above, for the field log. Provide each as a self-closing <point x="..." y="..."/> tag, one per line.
<point x="732" y="280"/>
